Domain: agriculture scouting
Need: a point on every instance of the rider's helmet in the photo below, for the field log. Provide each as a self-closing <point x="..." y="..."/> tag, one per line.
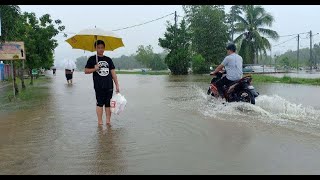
<point x="231" y="47"/>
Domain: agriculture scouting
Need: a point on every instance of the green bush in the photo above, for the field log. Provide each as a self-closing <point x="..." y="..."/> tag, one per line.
<point x="178" y="61"/>
<point x="199" y="65"/>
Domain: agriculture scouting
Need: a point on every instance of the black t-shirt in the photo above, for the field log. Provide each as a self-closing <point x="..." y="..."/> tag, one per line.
<point x="102" y="79"/>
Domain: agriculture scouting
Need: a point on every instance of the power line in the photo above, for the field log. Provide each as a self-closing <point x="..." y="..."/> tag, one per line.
<point x="305" y="38"/>
<point x="67" y="32"/>
<point x="143" y="23"/>
<point x="285" y="41"/>
<point x="290" y="35"/>
<point x="129" y="26"/>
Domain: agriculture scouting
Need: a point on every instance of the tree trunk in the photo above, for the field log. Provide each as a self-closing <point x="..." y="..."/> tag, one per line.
<point x="22" y="79"/>
<point x="232" y="30"/>
<point x="31" y="76"/>
<point x="16" y="88"/>
<point x="255" y="58"/>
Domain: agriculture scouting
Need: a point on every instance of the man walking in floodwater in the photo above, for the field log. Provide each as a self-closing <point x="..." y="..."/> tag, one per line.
<point x="54" y="69"/>
<point x="69" y="75"/>
<point x="102" y="80"/>
<point x="69" y="69"/>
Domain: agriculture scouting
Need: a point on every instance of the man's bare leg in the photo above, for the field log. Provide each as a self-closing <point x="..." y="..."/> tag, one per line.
<point x="99" y="111"/>
<point x="108" y="115"/>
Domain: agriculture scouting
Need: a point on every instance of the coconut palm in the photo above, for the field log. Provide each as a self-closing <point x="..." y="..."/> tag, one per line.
<point x="253" y="38"/>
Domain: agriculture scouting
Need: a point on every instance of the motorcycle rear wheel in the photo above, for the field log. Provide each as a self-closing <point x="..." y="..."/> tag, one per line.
<point x="246" y="96"/>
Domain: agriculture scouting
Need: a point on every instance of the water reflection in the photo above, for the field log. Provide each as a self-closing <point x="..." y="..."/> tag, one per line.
<point x="108" y="159"/>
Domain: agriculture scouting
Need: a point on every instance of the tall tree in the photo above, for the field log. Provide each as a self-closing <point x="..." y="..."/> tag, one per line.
<point x="127" y="62"/>
<point x="157" y="62"/>
<point x="232" y="18"/>
<point x="10" y="15"/>
<point x="38" y="34"/>
<point x="177" y="42"/>
<point x="145" y="55"/>
<point x="254" y="35"/>
<point x="208" y="31"/>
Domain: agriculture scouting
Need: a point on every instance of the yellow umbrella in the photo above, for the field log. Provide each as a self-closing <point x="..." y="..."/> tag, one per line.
<point x="85" y="40"/>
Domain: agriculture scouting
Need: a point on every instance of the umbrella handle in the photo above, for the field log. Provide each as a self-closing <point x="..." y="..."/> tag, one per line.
<point x="96" y="38"/>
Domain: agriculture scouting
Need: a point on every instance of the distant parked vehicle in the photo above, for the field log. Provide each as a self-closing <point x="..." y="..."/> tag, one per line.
<point x="247" y="69"/>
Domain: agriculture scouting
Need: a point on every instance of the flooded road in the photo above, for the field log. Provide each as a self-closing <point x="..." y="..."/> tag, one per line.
<point x="301" y="74"/>
<point x="170" y="126"/>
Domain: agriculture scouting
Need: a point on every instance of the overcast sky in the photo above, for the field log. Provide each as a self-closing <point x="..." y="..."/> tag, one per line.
<point x="289" y="19"/>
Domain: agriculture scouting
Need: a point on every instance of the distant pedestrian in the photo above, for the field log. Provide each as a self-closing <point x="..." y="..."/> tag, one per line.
<point x="54" y="69"/>
<point x="69" y="75"/>
<point x="69" y="69"/>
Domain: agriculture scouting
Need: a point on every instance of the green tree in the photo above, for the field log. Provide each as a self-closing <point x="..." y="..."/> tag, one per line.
<point x="208" y="30"/>
<point x="127" y="62"/>
<point x="304" y="56"/>
<point x="145" y="55"/>
<point x="284" y="62"/>
<point x="316" y="54"/>
<point x="232" y="18"/>
<point x="157" y="63"/>
<point x="199" y="65"/>
<point x="38" y="34"/>
<point x="10" y="15"/>
<point x="253" y="37"/>
<point x="176" y="41"/>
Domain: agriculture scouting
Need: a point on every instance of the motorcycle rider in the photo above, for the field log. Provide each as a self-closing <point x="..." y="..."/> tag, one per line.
<point x="233" y="66"/>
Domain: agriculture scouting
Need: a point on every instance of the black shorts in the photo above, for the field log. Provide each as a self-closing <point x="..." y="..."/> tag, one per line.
<point x="68" y="76"/>
<point x="103" y="97"/>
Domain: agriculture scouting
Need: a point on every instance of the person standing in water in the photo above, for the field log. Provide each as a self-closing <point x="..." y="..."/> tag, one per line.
<point x="104" y="76"/>
<point x="69" y="75"/>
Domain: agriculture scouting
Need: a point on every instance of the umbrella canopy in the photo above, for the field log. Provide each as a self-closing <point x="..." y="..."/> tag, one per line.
<point x="86" y="38"/>
<point x="69" y="64"/>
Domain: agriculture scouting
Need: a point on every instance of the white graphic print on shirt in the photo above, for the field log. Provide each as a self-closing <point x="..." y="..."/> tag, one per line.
<point x="104" y="68"/>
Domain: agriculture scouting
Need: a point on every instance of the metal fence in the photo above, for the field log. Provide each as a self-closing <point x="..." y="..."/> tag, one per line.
<point x="269" y="68"/>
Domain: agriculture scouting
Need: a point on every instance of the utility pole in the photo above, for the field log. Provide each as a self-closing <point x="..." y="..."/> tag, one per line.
<point x="13" y="81"/>
<point x="175" y="27"/>
<point x="175" y="19"/>
<point x="270" y="57"/>
<point x="232" y="29"/>
<point x="310" y="50"/>
<point x="298" y="52"/>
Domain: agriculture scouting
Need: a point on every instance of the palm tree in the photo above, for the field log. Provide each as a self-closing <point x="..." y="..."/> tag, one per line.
<point x="253" y="34"/>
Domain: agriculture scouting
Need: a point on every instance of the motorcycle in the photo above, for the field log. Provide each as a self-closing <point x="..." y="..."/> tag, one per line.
<point x="238" y="91"/>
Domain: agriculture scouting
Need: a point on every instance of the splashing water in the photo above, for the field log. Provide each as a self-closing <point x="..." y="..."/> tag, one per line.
<point x="285" y="109"/>
<point x="274" y="110"/>
<point x="298" y="117"/>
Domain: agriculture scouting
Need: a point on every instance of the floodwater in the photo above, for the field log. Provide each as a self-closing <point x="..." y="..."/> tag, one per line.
<point x="170" y="126"/>
<point x="300" y="74"/>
